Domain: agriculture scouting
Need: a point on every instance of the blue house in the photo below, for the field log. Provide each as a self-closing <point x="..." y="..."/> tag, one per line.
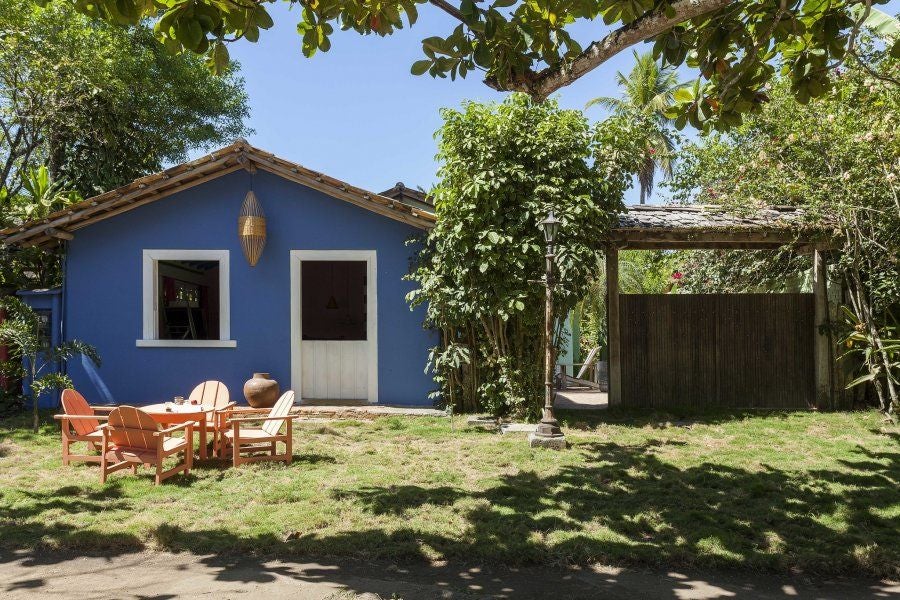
<point x="157" y="280"/>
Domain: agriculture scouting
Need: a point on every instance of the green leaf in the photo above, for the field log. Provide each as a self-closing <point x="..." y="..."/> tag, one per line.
<point x="882" y="24"/>
<point x="262" y="18"/>
<point x="220" y="57"/>
<point x="482" y="55"/>
<point x="420" y="67"/>
<point x="862" y="379"/>
<point x="683" y="95"/>
<point x="435" y="44"/>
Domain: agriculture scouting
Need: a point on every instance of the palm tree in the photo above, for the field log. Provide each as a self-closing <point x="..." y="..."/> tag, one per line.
<point x="38" y="196"/>
<point x="648" y="90"/>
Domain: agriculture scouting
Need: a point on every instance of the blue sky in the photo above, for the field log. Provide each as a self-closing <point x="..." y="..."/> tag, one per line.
<point x="358" y="114"/>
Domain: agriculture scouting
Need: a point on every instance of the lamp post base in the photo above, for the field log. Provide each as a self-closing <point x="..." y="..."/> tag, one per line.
<point x="553" y="442"/>
<point x="548" y="427"/>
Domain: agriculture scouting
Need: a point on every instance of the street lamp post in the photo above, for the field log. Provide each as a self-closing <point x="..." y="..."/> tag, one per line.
<point x="548" y="432"/>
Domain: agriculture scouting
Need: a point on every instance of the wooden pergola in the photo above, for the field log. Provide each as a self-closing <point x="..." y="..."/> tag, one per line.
<point x="703" y="227"/>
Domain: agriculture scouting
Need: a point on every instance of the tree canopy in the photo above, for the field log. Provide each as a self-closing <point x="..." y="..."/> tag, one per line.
<point x="85" y="107"/>
<point x="737" y="46"/>
<point x="101" y="105"/>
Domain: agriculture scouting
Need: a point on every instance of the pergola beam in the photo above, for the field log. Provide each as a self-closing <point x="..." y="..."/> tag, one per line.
<point x="821" y="344"/>
<point x="700" y="237"/>
<point x="692" y="245"/>
<point x="613" y="326"/>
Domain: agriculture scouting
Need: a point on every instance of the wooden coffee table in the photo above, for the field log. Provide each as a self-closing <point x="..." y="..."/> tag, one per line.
<point x="184" y="413"/>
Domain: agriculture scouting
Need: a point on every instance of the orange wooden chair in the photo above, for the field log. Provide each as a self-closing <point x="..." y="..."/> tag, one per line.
<point x="213" y="395"/>
<point x="254" y="440"/>
<point x="132" y="438"/>
<point x="80" y="423"/>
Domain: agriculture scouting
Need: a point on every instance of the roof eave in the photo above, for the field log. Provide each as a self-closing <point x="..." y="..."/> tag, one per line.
<point x="236" y="156"/>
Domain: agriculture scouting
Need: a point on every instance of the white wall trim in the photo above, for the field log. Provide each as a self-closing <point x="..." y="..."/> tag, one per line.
<point x="297" y="258"/>
<point x="150" y="297"/>
<point x="186" y="343"/>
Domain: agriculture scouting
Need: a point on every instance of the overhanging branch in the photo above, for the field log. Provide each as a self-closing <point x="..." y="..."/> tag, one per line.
<point x="449" y="9"/>
<point x="541" y="84"/>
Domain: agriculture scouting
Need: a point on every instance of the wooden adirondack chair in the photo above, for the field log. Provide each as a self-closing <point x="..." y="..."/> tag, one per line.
<point x="80" y="423"/>
<point x="588" y="363"/>
<point x="214" y="395"/>
<point x="580" y="380"/>
<point x="132" y="438"/>
<point x="264" y="438"/>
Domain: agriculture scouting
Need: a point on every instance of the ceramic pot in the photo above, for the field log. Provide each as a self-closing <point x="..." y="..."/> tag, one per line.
<point x="261" y="391"/>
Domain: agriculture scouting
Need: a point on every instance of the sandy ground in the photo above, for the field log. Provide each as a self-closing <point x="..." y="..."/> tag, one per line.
<point x="581" y="399"/>
<point x="162" y="576"/>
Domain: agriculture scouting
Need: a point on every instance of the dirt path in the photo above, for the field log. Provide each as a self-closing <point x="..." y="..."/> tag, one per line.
<point x="162" y="576"/>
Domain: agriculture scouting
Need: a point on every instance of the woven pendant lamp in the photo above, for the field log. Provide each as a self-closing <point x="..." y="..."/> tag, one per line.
<point x="252" y="228"/>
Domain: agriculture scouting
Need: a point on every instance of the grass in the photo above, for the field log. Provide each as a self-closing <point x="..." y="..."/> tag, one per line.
<point x="762" y="491"/>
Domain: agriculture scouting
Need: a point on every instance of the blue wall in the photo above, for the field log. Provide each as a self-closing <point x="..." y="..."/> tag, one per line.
<point x="50" y="301"/>
<point x="104" y="291"/>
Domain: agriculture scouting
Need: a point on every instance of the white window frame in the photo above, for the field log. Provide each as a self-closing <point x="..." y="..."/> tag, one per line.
<point x="151" y="299"/>
<point x="371" y="259"/>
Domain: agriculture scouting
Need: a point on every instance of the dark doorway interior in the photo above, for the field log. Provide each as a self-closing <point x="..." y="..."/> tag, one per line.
<point x="334" y="300"/>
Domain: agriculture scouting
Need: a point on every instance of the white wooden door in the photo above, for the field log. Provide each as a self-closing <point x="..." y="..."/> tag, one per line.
<point x="335" y="369"/>
<point x="324" y="368"/>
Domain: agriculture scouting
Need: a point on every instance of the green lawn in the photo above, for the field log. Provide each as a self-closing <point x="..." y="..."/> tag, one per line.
<point x="776" y="491"/>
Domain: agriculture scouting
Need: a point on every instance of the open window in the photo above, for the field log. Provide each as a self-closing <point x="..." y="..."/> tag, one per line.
<point x="186" y="299"/>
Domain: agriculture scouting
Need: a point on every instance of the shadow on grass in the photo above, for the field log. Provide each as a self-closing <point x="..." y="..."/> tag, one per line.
<point x="656" y="514"/>
<point x="650" y="513"/>
<point x="36" y="541"/>
<point x="622" y="504"/>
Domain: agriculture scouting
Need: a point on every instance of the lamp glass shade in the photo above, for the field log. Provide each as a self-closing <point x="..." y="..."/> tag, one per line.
<point x="550" y="225"/>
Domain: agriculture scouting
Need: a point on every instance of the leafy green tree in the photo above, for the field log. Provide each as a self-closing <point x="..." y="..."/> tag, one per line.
<point x="101" y="105"/>
<point x="86" y="107"/>
<point x="640" y="272"/>
<point x="744" y="271"/>
<point x="839" y="158"/>
<point x="649" y="90"/>
<point x="503" y="167"/>
<point x="38" y="196"/>
<point x="31" y="353"/>
<point x="737" y="46"/>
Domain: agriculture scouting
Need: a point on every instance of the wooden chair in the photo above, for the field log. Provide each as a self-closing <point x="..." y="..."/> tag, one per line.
<point x="132" y="438"/>
<point x="586" y="377"/>
<point x="214" y="395"/>
<point x="261" y="439"/>
<point x="80" y="423"/>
